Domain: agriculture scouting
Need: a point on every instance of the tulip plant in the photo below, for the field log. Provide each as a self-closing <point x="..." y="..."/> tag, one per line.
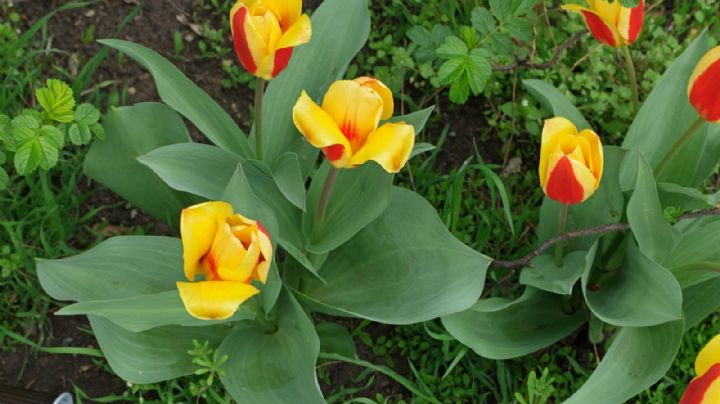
<point x="259" y="251"/>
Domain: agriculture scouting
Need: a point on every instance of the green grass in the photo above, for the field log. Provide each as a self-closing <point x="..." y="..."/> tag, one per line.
<point x="492" y="213"/>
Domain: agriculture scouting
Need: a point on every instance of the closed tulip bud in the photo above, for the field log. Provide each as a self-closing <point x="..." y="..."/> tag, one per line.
<point x="571" y="163"/>
<point x="704" y="88"/>
<point x="346" y="127"/>
<point x="265" y="32"/>
<point x="705" y="387"/>
<point x="611" y="23"/>
<point x="229" y="251"/>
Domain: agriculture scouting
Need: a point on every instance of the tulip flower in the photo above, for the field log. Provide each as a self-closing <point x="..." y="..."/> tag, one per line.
<point x="703" y="89"/>
<point x="611" y="23"/>
<point x="346" y="127"/>
<point x="705" y="387"/>
<point x="571" y="163"/>
<point x="229" y="251"/>
<point x="265" y="32"/>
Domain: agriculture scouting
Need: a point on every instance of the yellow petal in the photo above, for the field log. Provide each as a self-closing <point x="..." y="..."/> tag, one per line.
<point x="554" y="130"/>
<point x="630" y="22"/>
<point x="261" y="273"/>
<point x="708" y="356"/>
<point x="390" y="146"/>
<point x="229" y="258"/>
<point x="383" y="91"/>
<point x="321" y="131"/>
<point x="198" y="226"/>
<point x="297" y="34"/>
<point x="355" y="109"/>
<point x="287" y="11"/>
<point x="596" y="150"/>
<point x="610" y="12"/>
<point x="214" y="300"/>
<point x="602" y="26"/>
<point x="268" y="28"/>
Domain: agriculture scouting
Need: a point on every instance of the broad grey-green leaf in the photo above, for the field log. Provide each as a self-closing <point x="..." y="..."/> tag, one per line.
<point x="499" y="328"/>
<point x="637" y="358"/>
<point x="155" y="355"/>
<point x="640" y="293"/>
<point x="553" y="100"/>
<point x="334" y="338"/>
<point x="358" y="197"/>
<point x="655" y="236"/>
<point x="117" y="268"/>
<point x="289" y="179"/>
<point x="133" y="132"/>
<point x="403" y="268"/>
<point x="340" y="29"/>
<point x="700" y="300"/>
<point x="274" y="368"/>
<point x="184" y="96"/>
<point x="545" y="275"/>
<point x="144" y="312"/>
<point x="684" y="197"/>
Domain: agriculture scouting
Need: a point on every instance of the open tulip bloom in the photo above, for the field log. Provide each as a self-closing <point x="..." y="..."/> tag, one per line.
<point x="704" y="90"/>
<point x="571" y="163"/>
<point x="265" y="32"/>
<point x="705" y="387"/>
<point x="611" y="23"/>
<point x="346" y="128"/>
<point x="229" y="250"/>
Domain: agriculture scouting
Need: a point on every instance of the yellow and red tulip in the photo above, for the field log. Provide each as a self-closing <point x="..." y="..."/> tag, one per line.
<point x="705" y="387"/>
<point x="229" y="251"/>
<point x="346" y="127"/>
<point x="703" y="89"/>
<point x="571" y="163"/>
<point x="611" y="23"/>
<point x="265" y="32"/>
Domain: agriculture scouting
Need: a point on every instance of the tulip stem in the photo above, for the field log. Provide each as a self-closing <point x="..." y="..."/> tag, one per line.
<point x="268" y="325"/>
<point x="325" y="196"/>
<point x="259" y="93"/>
<point x="679" y="144"/>
<point x="630" y="66"/>
<point x="561" y="229"/>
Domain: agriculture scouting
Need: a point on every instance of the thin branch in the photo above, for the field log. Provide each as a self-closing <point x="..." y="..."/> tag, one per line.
<point x="527" y="259"/>
<point x="529" y="64"/>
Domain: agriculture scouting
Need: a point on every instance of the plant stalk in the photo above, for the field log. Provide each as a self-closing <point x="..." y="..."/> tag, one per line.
<point x="325" y="196"/>
<point x="679" y="144"/>
<point x="268" y="325"/>
<point x="561" y="229"/>
<point x="632" y="76"/>
<point x="259" y="93"/>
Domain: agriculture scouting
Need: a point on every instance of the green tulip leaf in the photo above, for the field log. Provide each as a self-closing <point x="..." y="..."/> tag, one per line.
<point x="545" y="275"/>
<point x="640" y="293"/>
<point x="273" y="368"/>
<point x="289" y="179"/>
<point x="499" y="328"/>
<point x="700" y="300"/>
<point x="405" y="267"/>
<point x="184" y="96"/>
<point x="555" y="101"/>
<point x="637" y="358"/>
<point x="155" y="355"/>
<point x="132" y="132"/>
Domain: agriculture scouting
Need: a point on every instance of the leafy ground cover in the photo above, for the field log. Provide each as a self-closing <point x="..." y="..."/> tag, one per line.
<point x="470" y="186"/>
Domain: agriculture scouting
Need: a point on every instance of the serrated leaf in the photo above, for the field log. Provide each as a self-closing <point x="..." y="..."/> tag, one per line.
<point x="479" y="70"/>
<point x="25" y="122"/>
<point x="501" y="43"/>
<point x="469" y="35"/>
<point x="79" y="134"/>
<point x="522" y="7"/>
<point x="5" y="127"/>
<point x="519" y="28"/>
<point x="451" y="70"/>
<point x="22" y="134"/>
<point x="98" y="130"/>
<point x="86" y="114"/>
<point x="57" y="100"/>
<point x="501" y="9"/>
<point x="53" y="135"/>
<point x="482" y="20"/>
<point x="459" y="91"/>
<point x="4" y="179"/>
<point x="452" y="47"/>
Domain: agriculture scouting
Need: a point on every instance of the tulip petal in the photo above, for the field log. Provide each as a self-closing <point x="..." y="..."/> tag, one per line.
<point x="383" y="91"/>
<point x="569" y="182"/>
<point x="287" y="11"/>
<point x="229" y="259"/>
<point x="390" y="146"/>
<point x="249" y="45"/>
<point x="355" y="109"/>
<point x="198" y="226"/>
<point x="604" y="31"/>
<point x="553" y="130"/>
<point x="703" y="89"/>
<point x="297" y="34"/>
<point x="321" y="131"/>
<point x="708" y="356"/>
<point x="596" y="151"/>
<point x="630" y="22"/>
<point x="704" y="389"/>
<point x="214" y="300"/>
